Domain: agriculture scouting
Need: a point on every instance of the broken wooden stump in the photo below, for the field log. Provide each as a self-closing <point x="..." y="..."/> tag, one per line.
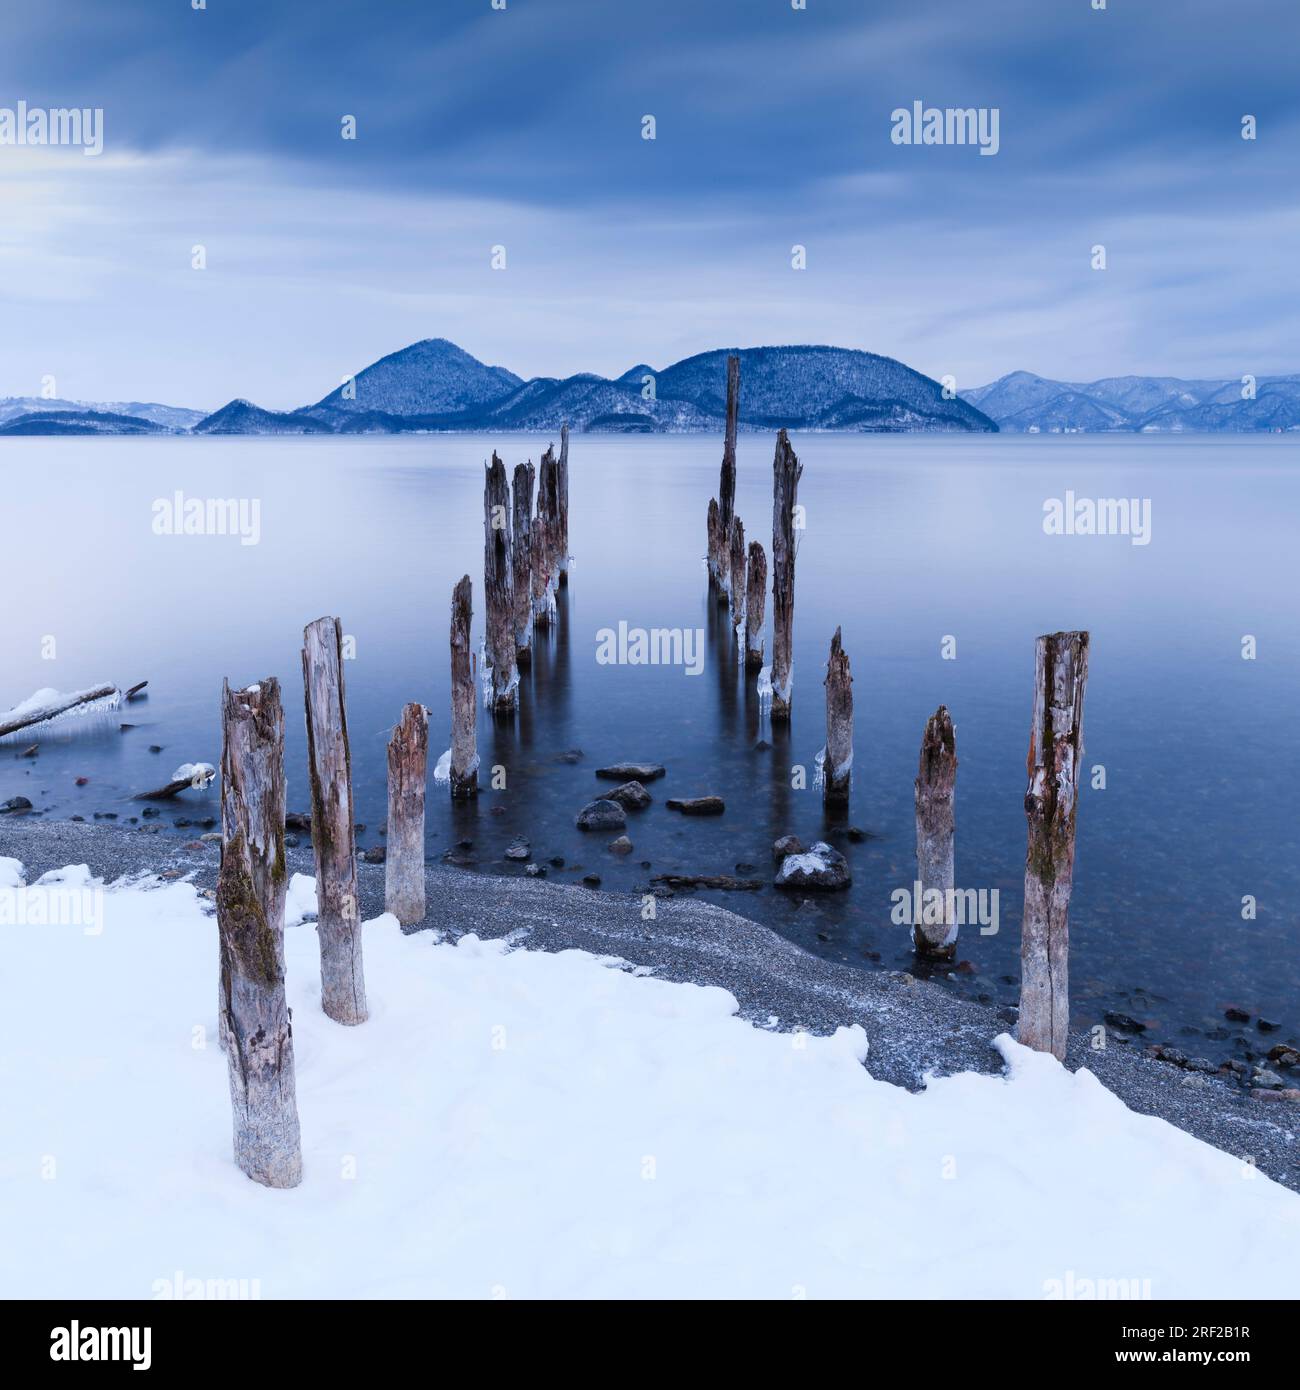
<point x="522" y="561"/>
<point x="545" y="546"/>
<point x="464" y="707"/>
<point x="727" y="484"/>
<point x="498" y="590"/>
<point x="408" y="763"/>
<point x="786" y="472"/>
<point x="736" y="573"/>
<point x="251" y="887"/>
<point x="329" y="766"/>
<point x="1051" y="805"/>
<point x="837" y="759"/>
<point x="934" y="929"/>
<point x="562" y="509"/>
<point x="711" y="560"/>
<point x="755" y="606"/>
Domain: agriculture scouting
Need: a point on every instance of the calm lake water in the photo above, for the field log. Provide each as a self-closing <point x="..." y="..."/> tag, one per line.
<point x="909" y="540"/>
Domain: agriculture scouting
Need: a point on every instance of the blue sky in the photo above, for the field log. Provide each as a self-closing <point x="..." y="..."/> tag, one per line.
<point x="479" y="127"/>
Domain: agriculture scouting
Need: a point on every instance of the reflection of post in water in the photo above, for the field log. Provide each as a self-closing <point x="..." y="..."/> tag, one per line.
<point x="779" y="740"/>
<point x="722" y="645"/>
<point x="552" y="679"/>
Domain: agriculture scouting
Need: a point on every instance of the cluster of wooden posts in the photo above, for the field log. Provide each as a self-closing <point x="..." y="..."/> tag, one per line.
<point x="738" y="577"/>
<point x="526" y="558"/>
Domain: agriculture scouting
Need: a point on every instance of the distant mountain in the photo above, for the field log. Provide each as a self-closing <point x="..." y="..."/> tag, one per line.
<point x="434" y="385"/>
<point x="243" y="417"/>
<point x="170" y="417"/>
<point x="1023" y="402"/>
<point x="79" y="422"/>
<point x="432" y="378"/>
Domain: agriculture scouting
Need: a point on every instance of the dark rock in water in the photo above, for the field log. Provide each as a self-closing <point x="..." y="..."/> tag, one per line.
<point x="464" y="844"/>
<point x="601" y="815"/>
<point x="462" y="859"/>
<point x="297" y="820"/>
<point x="632" y="795"/>
<point x="1235" y="1015"/>
<point x="591" y="880"/>
<point x="497" y="811"/>
<point x="291" y="842"/>
<point x="571" y="755"/>
<point x="1172" y="1055"/>
<point x="155" y="748"/>
<point x="100" y="815"/>
<point x="856" y="834"/>
<point x="1266" y="1025"/>
<point x="1284" y="1055"/>
<point x="376" y="854"/>
<point x="821" y="868"/>
<point x="124" y="727"/>
<point x="823" y="936"/>
<point x="208" y="821"/>
<point x="631" y="772"/>
<point x="182" y="823"/>
<point x="77" y="818"/>
<point x="535" y="870"/>
<point x="621" y="846"/>
<point x="1124" y="1023"/>
<point x="519" y="850"/>
<point x="16" y="803"/>
<point x="1201" y="1064"/>
<point x="741" y="868"/>
<point x="82" y="781"/>
<point x="697" y="805"/>
<point x="150" y="812"/>
<point x="787" y="844"/>
<point x="1266" y="1080"/>
<point x="359" y="826"/>
<point x="722" y="881"/>
<point x="556" y="861"/>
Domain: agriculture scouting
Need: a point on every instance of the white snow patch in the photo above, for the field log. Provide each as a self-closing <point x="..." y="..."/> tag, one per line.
<point x="11" y="872"/>
<point x="539" y="1125"/>
<point x="198" y="774"/>
<point x="300" y="901"/>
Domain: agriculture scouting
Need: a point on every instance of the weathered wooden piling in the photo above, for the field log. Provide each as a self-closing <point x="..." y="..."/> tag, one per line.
<point x="562" y="508"/>
<point x="329" y="764"/>
<point x="727" y="481"/>
<point x="251" y="887"/>
<point x="736" y="571"/>
<point x="498" y="589"/>
<point x="464" y="706"/>
<point x="408" y="764"/>
<point x="714" y="543"/>
<point x="755" y="606"/>
<point x="522" y="561"/>
<point x="837" y="763"/>
<point x="786" y="472"/>
<point x="1051" y="805"/>
<point x="934" y="930"/>
<point x="545" y="540"/>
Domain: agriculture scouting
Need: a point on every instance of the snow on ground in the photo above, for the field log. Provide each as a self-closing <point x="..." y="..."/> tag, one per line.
<point x="517" y="1124"/>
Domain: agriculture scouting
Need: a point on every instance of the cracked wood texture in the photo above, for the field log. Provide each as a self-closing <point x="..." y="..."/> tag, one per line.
<point x="562" y="506"/>
<point x="755" y="606"/>
<point x="545" y="540"/>
<point x="408" y="764"/>
<point x="936" y="782"/>
<point x="251" y="886"/>
<point x="464" y="706"/>
<point x="522" y="560"/>
<point x="1051" y="805"/>
<point x="837" y="768"/>
<point x="786" y="472"/>
<point x="736" y="571"/>
<point x="714" y="543"/>
<point x="329" y="764"/>
<point x="498" y="587"/>
<point x="727" y="484"/>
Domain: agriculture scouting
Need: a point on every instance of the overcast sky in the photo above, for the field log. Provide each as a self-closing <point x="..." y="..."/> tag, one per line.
<point x="478" y="127"/>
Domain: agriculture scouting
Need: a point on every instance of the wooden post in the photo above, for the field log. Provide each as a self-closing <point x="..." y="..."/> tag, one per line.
<point x="936" y="780"/>
<point x="329" y="763"/>
<point x="464" y="706"/>
<point x="736" y="572"/>
<point x="522" y="561"/>
<point x="727" y="480"/>
<point x="714" y="544"/>
<point x="837" y="764"/>
<point x="562" y="509"/>
<point x="1055" y="753"/>
<point x="545" y="542"/>
<point x="755" y="606"/>
<point x="408" y="764"/>
<point x="498" y="588"/>
<point x="251" y="887"/>
<point x="786" y="472"/>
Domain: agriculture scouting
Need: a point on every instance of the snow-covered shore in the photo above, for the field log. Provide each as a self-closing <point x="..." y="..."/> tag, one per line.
<point x="525" y="1123"/>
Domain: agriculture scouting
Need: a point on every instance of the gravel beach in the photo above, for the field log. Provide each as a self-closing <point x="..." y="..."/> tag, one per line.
<point x="913" y="1026"/>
